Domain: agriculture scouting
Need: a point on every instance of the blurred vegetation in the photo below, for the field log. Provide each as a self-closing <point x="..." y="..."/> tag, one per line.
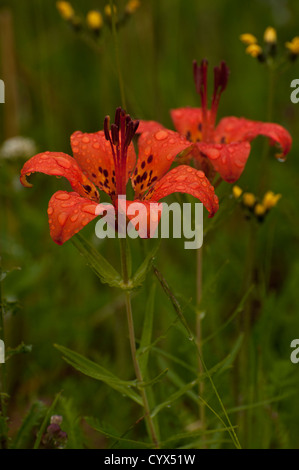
<point x="63" y="85"/>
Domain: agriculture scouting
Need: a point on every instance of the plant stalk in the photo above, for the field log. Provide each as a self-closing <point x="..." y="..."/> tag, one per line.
<point x="199" y="335"/>
<point x="149" y="421"/>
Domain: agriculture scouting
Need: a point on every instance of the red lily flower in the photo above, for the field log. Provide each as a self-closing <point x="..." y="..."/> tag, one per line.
<point x="105" y="160"/>
<point x="223" y="148"/>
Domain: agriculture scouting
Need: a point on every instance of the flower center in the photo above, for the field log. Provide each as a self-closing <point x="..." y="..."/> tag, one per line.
<point x="200" y="73"/>
<point x="120" y="135"/>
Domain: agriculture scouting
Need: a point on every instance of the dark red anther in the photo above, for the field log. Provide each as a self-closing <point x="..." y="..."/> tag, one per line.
<point x="115" y="134"/>
<point x="117" y="117"/>
<point x="106" y="128"/>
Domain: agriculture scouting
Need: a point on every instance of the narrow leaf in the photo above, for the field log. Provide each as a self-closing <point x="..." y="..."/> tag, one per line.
<point x="25" y="432"/>
<point x="95" y="371"/>
<point x="101" y="267"/>
<point x="112" y="434"/>
<point x="143" y="269"/>
<point x="175" y="396"/>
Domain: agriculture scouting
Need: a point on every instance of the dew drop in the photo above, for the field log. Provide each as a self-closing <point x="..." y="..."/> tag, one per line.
<point x="63" y="162"/>
<point x="161" y="135"/>
<point x="62" y="196"/>
<point x="74" y="217"/>
<point x="62" y="218"/>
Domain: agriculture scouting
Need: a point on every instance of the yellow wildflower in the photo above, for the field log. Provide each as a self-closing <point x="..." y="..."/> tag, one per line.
<point x="248" y="39"/>
<point x="66" y="10"/>
<point x="249" y="199"/>
<point x="270" y="35"/>
<point x="270" y="200"/>
<point x="94" y="20"/>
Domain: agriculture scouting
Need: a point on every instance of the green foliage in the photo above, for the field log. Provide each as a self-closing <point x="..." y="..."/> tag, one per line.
<point x="51" y="295"/>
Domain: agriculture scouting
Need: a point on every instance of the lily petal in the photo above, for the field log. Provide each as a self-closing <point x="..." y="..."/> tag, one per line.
<point x="94" y="155"/>
<point x="185" y="179"/>
<point x="60" y="164"/>
<point x="228" y="159"/>
<point x="68" y="214"/>
<point x="143" y="215"/>
<point x="149" y="126"/>
<point x="157" y="151"/>
<point x="188" y="122"/>
<point x="232" y="129"/>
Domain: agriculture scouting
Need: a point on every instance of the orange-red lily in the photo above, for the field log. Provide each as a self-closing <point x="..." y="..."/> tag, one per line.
<point x="106" y="160"/>
<point x="226" y="147"/>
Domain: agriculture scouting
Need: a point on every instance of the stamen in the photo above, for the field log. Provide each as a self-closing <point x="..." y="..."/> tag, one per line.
<point x="221" y="74"/>
<point x="120" y="136"/>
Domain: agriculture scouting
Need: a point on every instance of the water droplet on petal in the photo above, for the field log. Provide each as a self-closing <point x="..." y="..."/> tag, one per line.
<point x="74" y="217"/>
<point x="62" y="196"/>
<point x="161" y="135"/>
<point x="63" y="162"/>
<point x="62" y="218"/>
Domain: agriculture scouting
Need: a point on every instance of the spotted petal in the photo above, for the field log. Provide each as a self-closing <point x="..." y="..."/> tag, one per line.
<point x="185" y="179"/>
<point x="232" y="129"/>
<point x="68" y="214"/>
<point x="157" y="151"/>
<point x="94" y="155"/>
<point x="60" y="164"/>
<point x="188" y="122"/>
<point x="228" y="159"/>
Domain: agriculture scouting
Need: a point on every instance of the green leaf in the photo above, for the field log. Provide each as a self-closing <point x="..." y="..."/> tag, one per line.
<point x="153" y="381"/>
<point x="143" y="350"/>
<point x="71" y="423"/>
<point x="143" y="269"/>
<point x="95" y="371"/>
<point x="175" y="396"/>
<point x="26" y="431"/>
<point x="108" y="431"/>
<point x="101" y="267"/>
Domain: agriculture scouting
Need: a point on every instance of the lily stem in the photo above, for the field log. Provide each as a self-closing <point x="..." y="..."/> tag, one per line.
<point x="149" y="421"/>
<point x="199" y="336"/>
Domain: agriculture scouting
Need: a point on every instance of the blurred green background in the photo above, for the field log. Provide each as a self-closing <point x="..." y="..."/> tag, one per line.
<point x="63" y="85"/>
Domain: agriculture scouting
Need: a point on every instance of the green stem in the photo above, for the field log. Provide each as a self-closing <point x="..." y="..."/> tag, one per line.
<point x="199" y="335"/>
<point x="179" y="312"/>
<point x="149" y="421"/>
<point x="117" y="57"/>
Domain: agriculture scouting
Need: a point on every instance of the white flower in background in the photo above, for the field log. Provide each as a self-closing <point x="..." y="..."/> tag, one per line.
<point x="18" y="147"/>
